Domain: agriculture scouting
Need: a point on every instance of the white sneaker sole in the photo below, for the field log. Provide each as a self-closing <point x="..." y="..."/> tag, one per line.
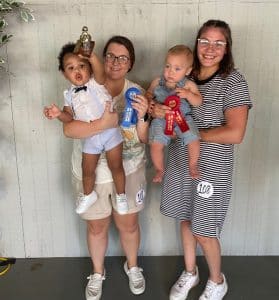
<point x="133" y="290"/>
<point x="182" y="297"/>
<point x="93" y="298"/>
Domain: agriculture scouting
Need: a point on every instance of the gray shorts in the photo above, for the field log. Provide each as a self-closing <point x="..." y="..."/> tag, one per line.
<point x="102" y="208"/>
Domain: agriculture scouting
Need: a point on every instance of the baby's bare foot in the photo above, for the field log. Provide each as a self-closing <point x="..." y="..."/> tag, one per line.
<point x="158" y="177"/>
<point x="194" y="171"/>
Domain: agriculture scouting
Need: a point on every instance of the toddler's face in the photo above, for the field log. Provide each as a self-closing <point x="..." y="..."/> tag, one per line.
<point x="176" y="68"/>
<point x="76" y="69"/>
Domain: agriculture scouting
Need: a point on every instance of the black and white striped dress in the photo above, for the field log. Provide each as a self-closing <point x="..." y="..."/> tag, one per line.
<point x="205" y="201"/>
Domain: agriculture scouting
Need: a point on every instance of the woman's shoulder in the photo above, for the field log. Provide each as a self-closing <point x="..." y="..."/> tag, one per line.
<point x="235" y="76"/>
<point x="129" y="84"/>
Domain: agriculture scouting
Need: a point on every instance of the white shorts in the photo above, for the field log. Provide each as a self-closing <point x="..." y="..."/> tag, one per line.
<point x="103" y="141"/>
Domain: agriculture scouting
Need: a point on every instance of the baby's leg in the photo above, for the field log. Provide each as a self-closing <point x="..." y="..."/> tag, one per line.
<point x="89" y="196"/>
<point x="89" y="164"/>
<point x="194" y="154"/>
<point x="114" y="159"/>
<point x="157" y="156"/>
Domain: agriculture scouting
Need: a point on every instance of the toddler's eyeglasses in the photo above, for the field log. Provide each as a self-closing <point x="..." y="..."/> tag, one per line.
<point x="205" y="43"/>
<point x="121" y="59"/>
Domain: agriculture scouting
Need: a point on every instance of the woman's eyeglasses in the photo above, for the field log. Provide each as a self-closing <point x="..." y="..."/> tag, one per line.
<point x="205" y="43"/>
<point x="121" y="59"/>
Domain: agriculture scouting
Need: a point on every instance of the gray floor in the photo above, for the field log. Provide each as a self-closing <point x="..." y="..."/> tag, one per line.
<point x="249" y="278"/>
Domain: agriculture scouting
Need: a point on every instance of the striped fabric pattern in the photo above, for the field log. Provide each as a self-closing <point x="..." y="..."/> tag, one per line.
<point x="204" y="201"/>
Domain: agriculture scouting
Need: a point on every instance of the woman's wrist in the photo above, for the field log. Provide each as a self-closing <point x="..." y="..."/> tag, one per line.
<point x="145" y="118"/>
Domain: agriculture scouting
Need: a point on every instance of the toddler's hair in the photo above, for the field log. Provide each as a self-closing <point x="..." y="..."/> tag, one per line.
<point x="182" y="49"/>
<point x="68" y="48"/>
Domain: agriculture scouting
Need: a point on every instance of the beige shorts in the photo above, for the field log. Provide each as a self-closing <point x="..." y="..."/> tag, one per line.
<point x="102" y="208"/>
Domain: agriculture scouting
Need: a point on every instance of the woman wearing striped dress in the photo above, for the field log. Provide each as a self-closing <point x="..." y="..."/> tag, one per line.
<point x="201" y="204"/>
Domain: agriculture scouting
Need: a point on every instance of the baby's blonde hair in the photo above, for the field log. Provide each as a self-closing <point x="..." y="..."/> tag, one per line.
<point x="184" y="50"/>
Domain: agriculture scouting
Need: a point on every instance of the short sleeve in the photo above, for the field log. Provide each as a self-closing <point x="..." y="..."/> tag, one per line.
<point x="67" y="98"/>
<point x="237" y="93"/>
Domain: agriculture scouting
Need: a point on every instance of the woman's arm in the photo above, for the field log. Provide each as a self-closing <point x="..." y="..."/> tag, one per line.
<point x="79" y="130"/>
<point x="141" y="106"/>
<point x="158" y="110"/>
<point x="98" y="68"/>
<point x="232" y="132"/>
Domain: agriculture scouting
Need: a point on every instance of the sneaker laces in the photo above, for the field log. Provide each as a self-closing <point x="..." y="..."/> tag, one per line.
<point x="136" y="276"/>
<point x="95" y="283"/>
<point x="183" y="279"/>
<point x="210" y="286"/>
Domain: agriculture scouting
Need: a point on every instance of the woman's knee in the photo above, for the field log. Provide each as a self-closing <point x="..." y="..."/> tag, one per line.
<point x="131" y="226"/>
<point x="204" y="240"/>
<point x="98" y="227"/>
<point x="185" y="224"/>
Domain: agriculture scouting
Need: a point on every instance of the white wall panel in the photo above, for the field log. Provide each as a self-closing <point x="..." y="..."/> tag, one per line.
<point x="37" y="216"/>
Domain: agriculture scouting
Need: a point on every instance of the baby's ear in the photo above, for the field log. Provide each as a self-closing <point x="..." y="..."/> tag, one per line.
<point x="189" y="71"/>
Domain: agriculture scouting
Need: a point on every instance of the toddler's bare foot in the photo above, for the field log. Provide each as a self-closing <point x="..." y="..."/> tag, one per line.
<point x="194" y="171"/>
<point x="158" y="177"/>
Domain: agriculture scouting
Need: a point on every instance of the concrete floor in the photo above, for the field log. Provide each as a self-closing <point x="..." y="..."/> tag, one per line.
<point x="249" y="278"/>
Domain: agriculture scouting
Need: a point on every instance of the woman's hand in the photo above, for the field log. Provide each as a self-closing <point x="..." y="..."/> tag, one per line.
<point x="158" y="110"/>
<point x="109" y="119"/>
<point x="140" y="104"/>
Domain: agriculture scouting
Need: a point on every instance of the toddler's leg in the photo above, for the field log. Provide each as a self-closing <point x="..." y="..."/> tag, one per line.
<point x="157" y="156"/>
<point x="89" y="196"/>
<point x="114" y="159"/>
<point x="194" y="154"/>
<point x="89" y="164"/>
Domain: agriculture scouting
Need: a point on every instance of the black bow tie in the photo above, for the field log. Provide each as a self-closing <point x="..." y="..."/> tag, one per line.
<point x="80" y="88"/>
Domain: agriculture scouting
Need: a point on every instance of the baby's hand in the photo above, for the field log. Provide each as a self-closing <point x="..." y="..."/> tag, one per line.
<point x="52" y="111"/>
<point x="182" y="92"/>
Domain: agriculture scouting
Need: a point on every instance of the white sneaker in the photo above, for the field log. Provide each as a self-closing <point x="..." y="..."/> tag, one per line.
<point x="93" y="290"/>
<point x="183" y="285"/>
<point x="136" y="279"/>
<point x="121" y="204"/>
<point x="85" y="201"/>
<point x="215" y="291"/>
